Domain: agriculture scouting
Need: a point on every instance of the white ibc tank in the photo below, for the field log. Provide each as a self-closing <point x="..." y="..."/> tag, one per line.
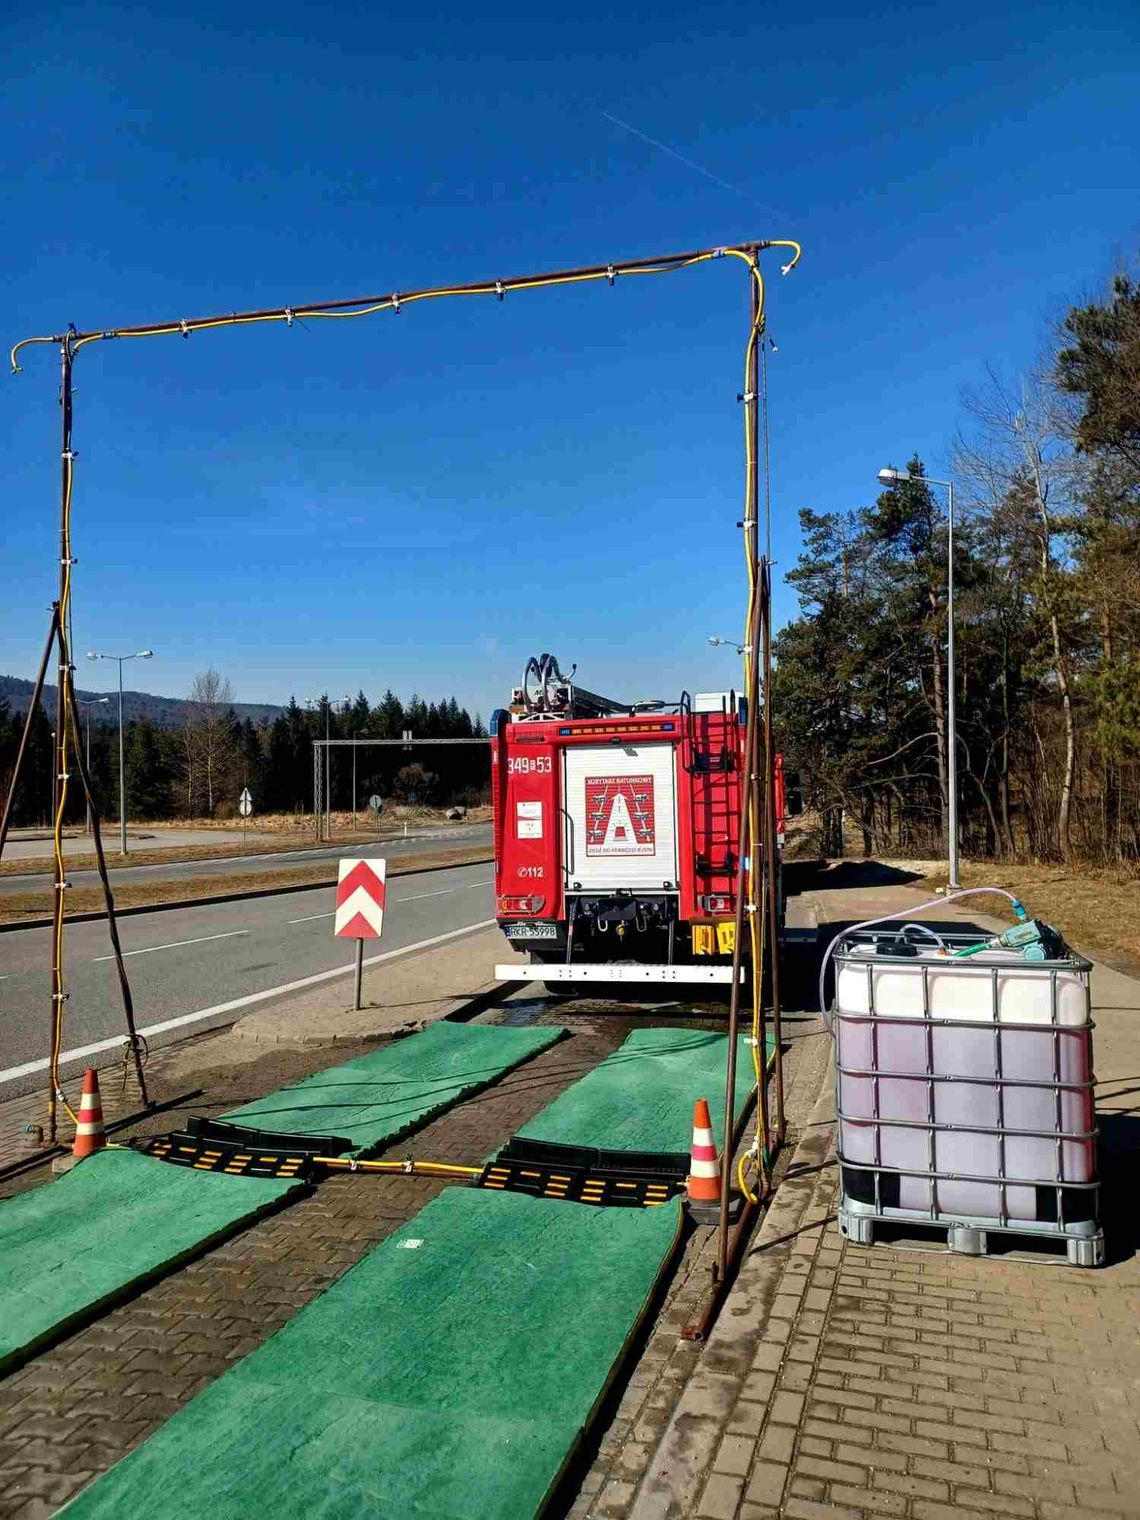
<point x="960" y="989"/>
<point x="943" y="1061"/>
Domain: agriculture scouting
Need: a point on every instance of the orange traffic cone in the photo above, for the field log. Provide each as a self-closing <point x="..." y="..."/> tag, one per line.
<point x="704" y="1167"/>
<point x="89" y="1135"/>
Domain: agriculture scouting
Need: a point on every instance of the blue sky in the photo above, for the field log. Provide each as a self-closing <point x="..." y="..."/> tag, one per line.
<point x="424" y="501"/>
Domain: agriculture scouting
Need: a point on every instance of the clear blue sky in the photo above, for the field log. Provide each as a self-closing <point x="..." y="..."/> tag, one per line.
<point x="423" y="501"/>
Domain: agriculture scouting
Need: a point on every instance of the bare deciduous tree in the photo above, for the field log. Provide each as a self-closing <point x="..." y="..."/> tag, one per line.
<point x="1018" y="458"/>
<point x="209" y="749"/>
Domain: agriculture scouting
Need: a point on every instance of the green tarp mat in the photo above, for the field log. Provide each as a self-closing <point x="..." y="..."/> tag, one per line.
<point x="641" y="1097"/>
<point x="118" y="1219"/>
<point x="449" y="1374"/>
<point x="379" y="1097"/>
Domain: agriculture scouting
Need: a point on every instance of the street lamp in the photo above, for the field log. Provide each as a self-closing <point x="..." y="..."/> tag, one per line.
<point x="90" y="702"/>
<point x="889" y="478"/>
<point x="728" y="643"/>
<point x="139" y="654"/>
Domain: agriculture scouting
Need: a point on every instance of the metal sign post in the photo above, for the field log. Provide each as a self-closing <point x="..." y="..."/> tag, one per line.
<point x="245" y="808"/>
<point x="360" y="892"/>
<point x="376" y="807"/>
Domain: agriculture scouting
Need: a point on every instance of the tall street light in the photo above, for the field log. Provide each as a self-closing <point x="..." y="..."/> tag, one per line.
<point x="889" y="478"/>
<point x="139" y="654"/>
<point x="89" y="703"/>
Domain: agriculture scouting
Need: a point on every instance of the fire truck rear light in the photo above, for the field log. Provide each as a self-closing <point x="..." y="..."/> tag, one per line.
<point x="521" y="904"/>
<point x="711" y="903"/>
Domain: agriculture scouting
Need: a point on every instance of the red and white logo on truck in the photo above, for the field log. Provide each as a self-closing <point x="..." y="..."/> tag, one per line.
<point x="619" y="815"/>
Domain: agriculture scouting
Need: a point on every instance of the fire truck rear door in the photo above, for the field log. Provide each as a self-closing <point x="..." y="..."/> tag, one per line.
<point x="621" y="818"/>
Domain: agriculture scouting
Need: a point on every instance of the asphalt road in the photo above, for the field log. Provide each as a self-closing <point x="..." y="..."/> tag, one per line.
<point x="394" y="849"/>
<point x="187" y="961"/>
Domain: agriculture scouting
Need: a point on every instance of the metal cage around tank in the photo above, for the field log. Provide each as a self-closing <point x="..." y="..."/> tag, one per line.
<point x="964" y="1092"/>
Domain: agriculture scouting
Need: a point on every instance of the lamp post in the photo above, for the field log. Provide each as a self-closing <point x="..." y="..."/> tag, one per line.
<point x="728" y="643"/>
<point x="888" y="477"/>
<point x="139" y="654"/>
<point x="89" y="703"/>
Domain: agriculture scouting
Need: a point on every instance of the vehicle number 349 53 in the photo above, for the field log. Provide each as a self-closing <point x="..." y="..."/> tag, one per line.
<point x="529" y="765"/>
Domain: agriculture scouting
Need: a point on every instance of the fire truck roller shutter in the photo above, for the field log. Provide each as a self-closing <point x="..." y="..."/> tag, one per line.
<point x="621" y="818"/>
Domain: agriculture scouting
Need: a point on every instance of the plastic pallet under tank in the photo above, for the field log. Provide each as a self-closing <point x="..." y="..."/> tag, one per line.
<point x="964" y="1092"/>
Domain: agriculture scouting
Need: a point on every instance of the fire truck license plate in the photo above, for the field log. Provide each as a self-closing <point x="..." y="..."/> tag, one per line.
<point x="532" y="931"/>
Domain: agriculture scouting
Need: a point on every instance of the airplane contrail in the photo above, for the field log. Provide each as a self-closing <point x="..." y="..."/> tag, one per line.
<point x="680" y="157"/>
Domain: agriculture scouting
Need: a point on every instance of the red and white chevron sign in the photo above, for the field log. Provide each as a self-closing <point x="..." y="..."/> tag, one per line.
<point x="360" y="899"/>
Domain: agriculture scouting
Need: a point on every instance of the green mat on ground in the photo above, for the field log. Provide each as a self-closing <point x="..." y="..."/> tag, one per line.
<point x="118" y="1219"/>
<point x="378" y="1097"/>
<point x="448" y="1375"/>
<point x="641" y="1097"/>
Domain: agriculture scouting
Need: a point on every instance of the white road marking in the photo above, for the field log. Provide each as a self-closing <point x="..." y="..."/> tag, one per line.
<point x="419" y="897"/>
<point x="174" y="945"/>
<point x="83" y="1051"/>
<point x="447" y="891"/>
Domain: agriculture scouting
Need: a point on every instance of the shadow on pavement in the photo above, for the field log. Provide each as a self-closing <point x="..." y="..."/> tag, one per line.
<point x="1119" y="1146"/>
<point x="822" y="876"/>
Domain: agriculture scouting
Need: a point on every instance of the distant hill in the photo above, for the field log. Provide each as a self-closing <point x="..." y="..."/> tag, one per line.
<point x="163" y="712"/>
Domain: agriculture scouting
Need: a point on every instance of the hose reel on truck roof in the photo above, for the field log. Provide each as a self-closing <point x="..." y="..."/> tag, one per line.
<point x="547" y="693"/>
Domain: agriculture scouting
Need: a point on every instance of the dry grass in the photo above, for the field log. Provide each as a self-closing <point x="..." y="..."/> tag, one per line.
<point x="24" y="906"/>
<point x="1098" y="911"/>
<point x="256" y="844"/>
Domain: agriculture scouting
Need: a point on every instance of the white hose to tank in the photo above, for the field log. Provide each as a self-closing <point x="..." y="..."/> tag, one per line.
<point x="935" y="902"/>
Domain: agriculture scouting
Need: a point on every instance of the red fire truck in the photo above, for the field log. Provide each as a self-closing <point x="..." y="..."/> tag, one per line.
<point x="617" y="832"/>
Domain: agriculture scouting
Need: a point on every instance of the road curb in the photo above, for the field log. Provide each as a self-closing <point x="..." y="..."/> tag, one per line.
<point x="221" y="897"/>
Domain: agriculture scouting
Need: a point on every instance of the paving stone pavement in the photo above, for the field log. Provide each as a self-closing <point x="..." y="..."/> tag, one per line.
<point x="73" y="1411"/>
<point x="656" y="1388"/>
<point x="844" y="1382"/>
<point x="76" y="1409"/>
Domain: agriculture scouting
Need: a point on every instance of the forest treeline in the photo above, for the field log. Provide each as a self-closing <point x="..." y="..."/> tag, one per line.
<point x="1047" y="624"/>
<point x="199" y="769"/>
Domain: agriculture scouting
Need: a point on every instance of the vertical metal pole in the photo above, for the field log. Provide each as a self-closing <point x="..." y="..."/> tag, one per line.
<point x="122" y="773"/>
<point x="359" y="976"/>
<point x="59" y="743"/>
<point x="87" y="751"/>
<point x="771" y="864"/>
<point x="354" y="783"/>
<point x="328" y="770"/>
<point x="747" y="844"/>
<point x="316" y="790"/>
<point x="951" y="706"/>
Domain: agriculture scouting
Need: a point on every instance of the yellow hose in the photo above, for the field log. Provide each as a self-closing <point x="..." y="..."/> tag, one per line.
<point x="409" y="1167"/>
<point x="756" y="1157"/>
<point x="59" y="757"/>
<point x="393" y="303"/>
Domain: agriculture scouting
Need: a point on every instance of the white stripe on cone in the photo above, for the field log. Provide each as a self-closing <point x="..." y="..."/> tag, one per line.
<point x="704" y="1169"/>
<point x="83" y="1128"/>
<point x="703" y="1136"/>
